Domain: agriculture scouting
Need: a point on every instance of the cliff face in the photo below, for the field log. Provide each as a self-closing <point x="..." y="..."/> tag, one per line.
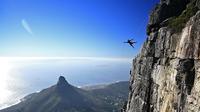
<point x="166" y="74"/>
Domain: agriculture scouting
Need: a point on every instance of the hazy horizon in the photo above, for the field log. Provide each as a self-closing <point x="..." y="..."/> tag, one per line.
<point x="24" y="75"/>
<point x="82" y="40"/>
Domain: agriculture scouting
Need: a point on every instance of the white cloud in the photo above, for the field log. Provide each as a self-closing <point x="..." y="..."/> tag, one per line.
<point x="26" y="26"/>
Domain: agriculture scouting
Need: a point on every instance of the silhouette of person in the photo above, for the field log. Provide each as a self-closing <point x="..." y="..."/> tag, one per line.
<point x="131" y="42"/>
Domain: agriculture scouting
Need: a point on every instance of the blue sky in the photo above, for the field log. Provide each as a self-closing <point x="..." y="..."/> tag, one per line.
<point x="87" y="34"/>
<point x="72" y="28"/>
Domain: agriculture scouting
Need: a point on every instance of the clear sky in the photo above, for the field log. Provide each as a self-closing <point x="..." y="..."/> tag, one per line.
<point x="72" y="28"/>
<point x="79" y="39"/>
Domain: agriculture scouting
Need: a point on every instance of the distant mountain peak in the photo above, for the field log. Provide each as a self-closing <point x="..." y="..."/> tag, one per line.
<point x="62" y="81"/>
<point x="62" y="84"/>
<point x="64" y="97"/>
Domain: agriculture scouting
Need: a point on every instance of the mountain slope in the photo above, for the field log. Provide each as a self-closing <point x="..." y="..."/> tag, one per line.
<point x="64" y="97"/>
<point x="114" y="95"/>
<point x="165" y="75"/>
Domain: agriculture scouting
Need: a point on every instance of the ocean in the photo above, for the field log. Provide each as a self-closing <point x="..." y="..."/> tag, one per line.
<point x="22" y="76"/>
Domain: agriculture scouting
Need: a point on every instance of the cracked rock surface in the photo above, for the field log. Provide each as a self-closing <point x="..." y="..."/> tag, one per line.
<point x="165" y="75"/>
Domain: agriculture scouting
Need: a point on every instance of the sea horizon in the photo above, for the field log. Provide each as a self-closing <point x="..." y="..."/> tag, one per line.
<point x="26" y="75"/>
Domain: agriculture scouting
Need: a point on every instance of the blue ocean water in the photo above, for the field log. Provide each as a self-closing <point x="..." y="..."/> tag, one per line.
<point x="26" y="76"/>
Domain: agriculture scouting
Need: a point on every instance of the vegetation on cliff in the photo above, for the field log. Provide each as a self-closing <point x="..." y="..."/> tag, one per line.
<point x="173" y="14"/>
<point x="178" y="23"/>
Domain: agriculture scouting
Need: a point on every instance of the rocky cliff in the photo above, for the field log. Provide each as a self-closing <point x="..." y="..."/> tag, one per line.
<point x="165" y="75"/>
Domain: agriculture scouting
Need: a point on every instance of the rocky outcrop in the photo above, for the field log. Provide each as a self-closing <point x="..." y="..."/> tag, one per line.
<point x="166" y="74"/>
<point x="63" y="86"/>
<point x="165" y="9"/>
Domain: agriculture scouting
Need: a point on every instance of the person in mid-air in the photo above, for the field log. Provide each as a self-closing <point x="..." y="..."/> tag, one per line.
<point x="131" y="42"/>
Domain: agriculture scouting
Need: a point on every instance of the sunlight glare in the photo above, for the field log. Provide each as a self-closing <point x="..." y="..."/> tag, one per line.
<point x="5" y="68"/>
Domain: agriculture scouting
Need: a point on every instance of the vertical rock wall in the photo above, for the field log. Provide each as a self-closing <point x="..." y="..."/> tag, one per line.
<point x="166" y="74"/>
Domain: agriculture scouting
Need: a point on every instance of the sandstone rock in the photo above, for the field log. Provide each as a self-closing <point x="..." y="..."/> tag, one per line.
<point x="166" y="74"/>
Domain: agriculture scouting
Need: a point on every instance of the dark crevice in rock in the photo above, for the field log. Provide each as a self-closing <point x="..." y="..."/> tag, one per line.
<point x="167" y="62"/>
<point x="149" y="98"/>
<point x="155" y="61"/>
<point x="185" y="81"/>
<point x="198" y="51"/>
<point x="186" y="74"/>
<point x="190" y="80"/>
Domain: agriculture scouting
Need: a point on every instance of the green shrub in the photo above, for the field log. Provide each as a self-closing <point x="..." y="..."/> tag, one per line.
<point x="178" y="23"/>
